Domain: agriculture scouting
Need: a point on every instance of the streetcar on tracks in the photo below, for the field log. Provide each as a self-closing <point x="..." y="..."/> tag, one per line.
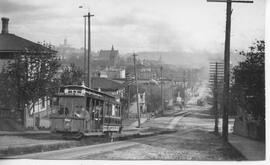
<point x="80" y="111"/>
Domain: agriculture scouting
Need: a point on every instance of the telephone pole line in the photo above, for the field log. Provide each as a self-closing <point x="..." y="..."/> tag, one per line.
<point x="216" y="77"/>
<point x="84" y="61"/>
<point x="137" y="92"/>
<point x="128" y="107"/>
<point x="184" y="95"/>
<point x="216" y="97"/>
<point x="226" y="88"/>
<point x="161" y="91"/>
<point x="89" y="50"/>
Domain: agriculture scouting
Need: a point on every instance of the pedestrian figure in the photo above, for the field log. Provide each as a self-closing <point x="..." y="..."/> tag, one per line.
<point x="83" y="114"/>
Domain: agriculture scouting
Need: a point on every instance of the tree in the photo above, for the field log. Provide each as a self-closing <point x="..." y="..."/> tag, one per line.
<point x="153" y="98"/>
<point x="30" y="77"/>
<point x="71" y="75"/>
<point x="248" y="89"/>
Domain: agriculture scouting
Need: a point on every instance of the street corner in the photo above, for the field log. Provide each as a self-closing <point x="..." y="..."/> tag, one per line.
<point x="143" y="132"/>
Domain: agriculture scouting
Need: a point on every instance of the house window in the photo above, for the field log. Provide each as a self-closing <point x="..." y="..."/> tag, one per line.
<point x="43" y="102"/>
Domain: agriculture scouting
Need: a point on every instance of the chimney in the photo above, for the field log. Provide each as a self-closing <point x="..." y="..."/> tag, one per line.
<point x="5" y="25"/>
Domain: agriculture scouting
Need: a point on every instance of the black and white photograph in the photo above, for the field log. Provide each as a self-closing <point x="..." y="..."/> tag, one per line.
<point x="139" y="81"/>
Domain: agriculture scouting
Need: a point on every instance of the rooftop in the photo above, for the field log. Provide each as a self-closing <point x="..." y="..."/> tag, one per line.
<point x="10" y="43"/>
<point x="105" y="84"/>
<point x="108" y="53"/>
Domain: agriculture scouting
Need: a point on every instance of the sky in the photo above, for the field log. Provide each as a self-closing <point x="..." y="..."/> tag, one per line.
<point x="137" y="25"/>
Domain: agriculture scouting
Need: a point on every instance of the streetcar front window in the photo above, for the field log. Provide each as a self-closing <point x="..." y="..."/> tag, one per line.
<point x="115" y="111"/>
<point x="69" y="106"/>
<point x="109" y="109"/>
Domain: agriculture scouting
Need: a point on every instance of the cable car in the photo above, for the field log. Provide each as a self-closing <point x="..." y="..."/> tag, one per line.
<point x="80" y="111"/>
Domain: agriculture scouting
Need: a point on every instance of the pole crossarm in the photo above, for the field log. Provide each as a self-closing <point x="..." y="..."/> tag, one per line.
<point x="91" y="15"/>
<point x="229" y="1"/>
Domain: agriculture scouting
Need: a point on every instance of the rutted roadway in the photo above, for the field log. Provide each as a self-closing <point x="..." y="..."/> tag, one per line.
<point x="192" y="141"/>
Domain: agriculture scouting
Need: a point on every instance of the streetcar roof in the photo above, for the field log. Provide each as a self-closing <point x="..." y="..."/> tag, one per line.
<point x="89" y="91"/>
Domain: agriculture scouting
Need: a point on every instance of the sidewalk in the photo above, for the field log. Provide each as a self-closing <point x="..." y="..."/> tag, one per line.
<point x="21" y="133"/>
<point x="250" y="149"/>
<point x="15" y="144"/>
<point x="23" y="142"/>
<point x="134" y="125"/>
<point x="145" y="130"/>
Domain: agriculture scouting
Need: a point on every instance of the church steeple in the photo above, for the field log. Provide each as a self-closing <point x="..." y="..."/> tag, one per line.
<point x="160" y="59"/>
<point x="112" y="48"/>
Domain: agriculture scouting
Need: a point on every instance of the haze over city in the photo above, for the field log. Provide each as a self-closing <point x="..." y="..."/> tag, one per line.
<point x="186" y="26"/>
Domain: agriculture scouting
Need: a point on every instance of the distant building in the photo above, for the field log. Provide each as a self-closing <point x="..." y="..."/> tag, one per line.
<point x="101" y="74"/>
<point x="141" y="101"/>
<point x="65" y="51"/>
<point x="116" y="73"/>
<point x="108" y="86"/>
<point x="111" y="73"/>
<point x="110" y="56"/>
<point x="146" y="74"/>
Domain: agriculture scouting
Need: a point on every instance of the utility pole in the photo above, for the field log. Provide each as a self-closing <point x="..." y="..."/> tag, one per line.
<point x="89" y="50"/>
<point x="161" y="91"/>
<point x="137" y="92"/>
<point x="226" y="87"/>
<point x="216" y="98"/>
<point x="84" y="61"/>
<point x="184" y="80"/>
<point x="128" y="82"/>
<point x="128" y="101"/>
<point x="216" y="77"/>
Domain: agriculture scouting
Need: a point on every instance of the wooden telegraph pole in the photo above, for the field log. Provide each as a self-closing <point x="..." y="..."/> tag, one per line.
<point x="216" y="77"/>
<point x="128" y="83"/>
<point x="84" y="61"/>
<point x="216" y="97"/>
<point x="161" y="90"/>
<point x="137" y="92"/>
<point x="184" y="96"/>
<point x="226" y="87"/>
<point x="88" y="82"/>
<point x="128" y="101"/>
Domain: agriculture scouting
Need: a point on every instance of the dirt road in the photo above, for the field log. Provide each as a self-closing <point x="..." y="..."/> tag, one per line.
<point x="192" y="141"/>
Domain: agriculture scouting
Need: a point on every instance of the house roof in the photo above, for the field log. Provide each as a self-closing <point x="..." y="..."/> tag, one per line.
<point x="12" y="43"/>
<point x="106" y="84"/>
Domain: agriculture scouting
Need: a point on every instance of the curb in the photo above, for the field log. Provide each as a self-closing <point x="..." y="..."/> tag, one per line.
<point x="256" y="154"/>
<point x="144" y="134"/>
<point x="22" y="133"/>
<point x="19" y="150"/>
<point x="237" y="150"/>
